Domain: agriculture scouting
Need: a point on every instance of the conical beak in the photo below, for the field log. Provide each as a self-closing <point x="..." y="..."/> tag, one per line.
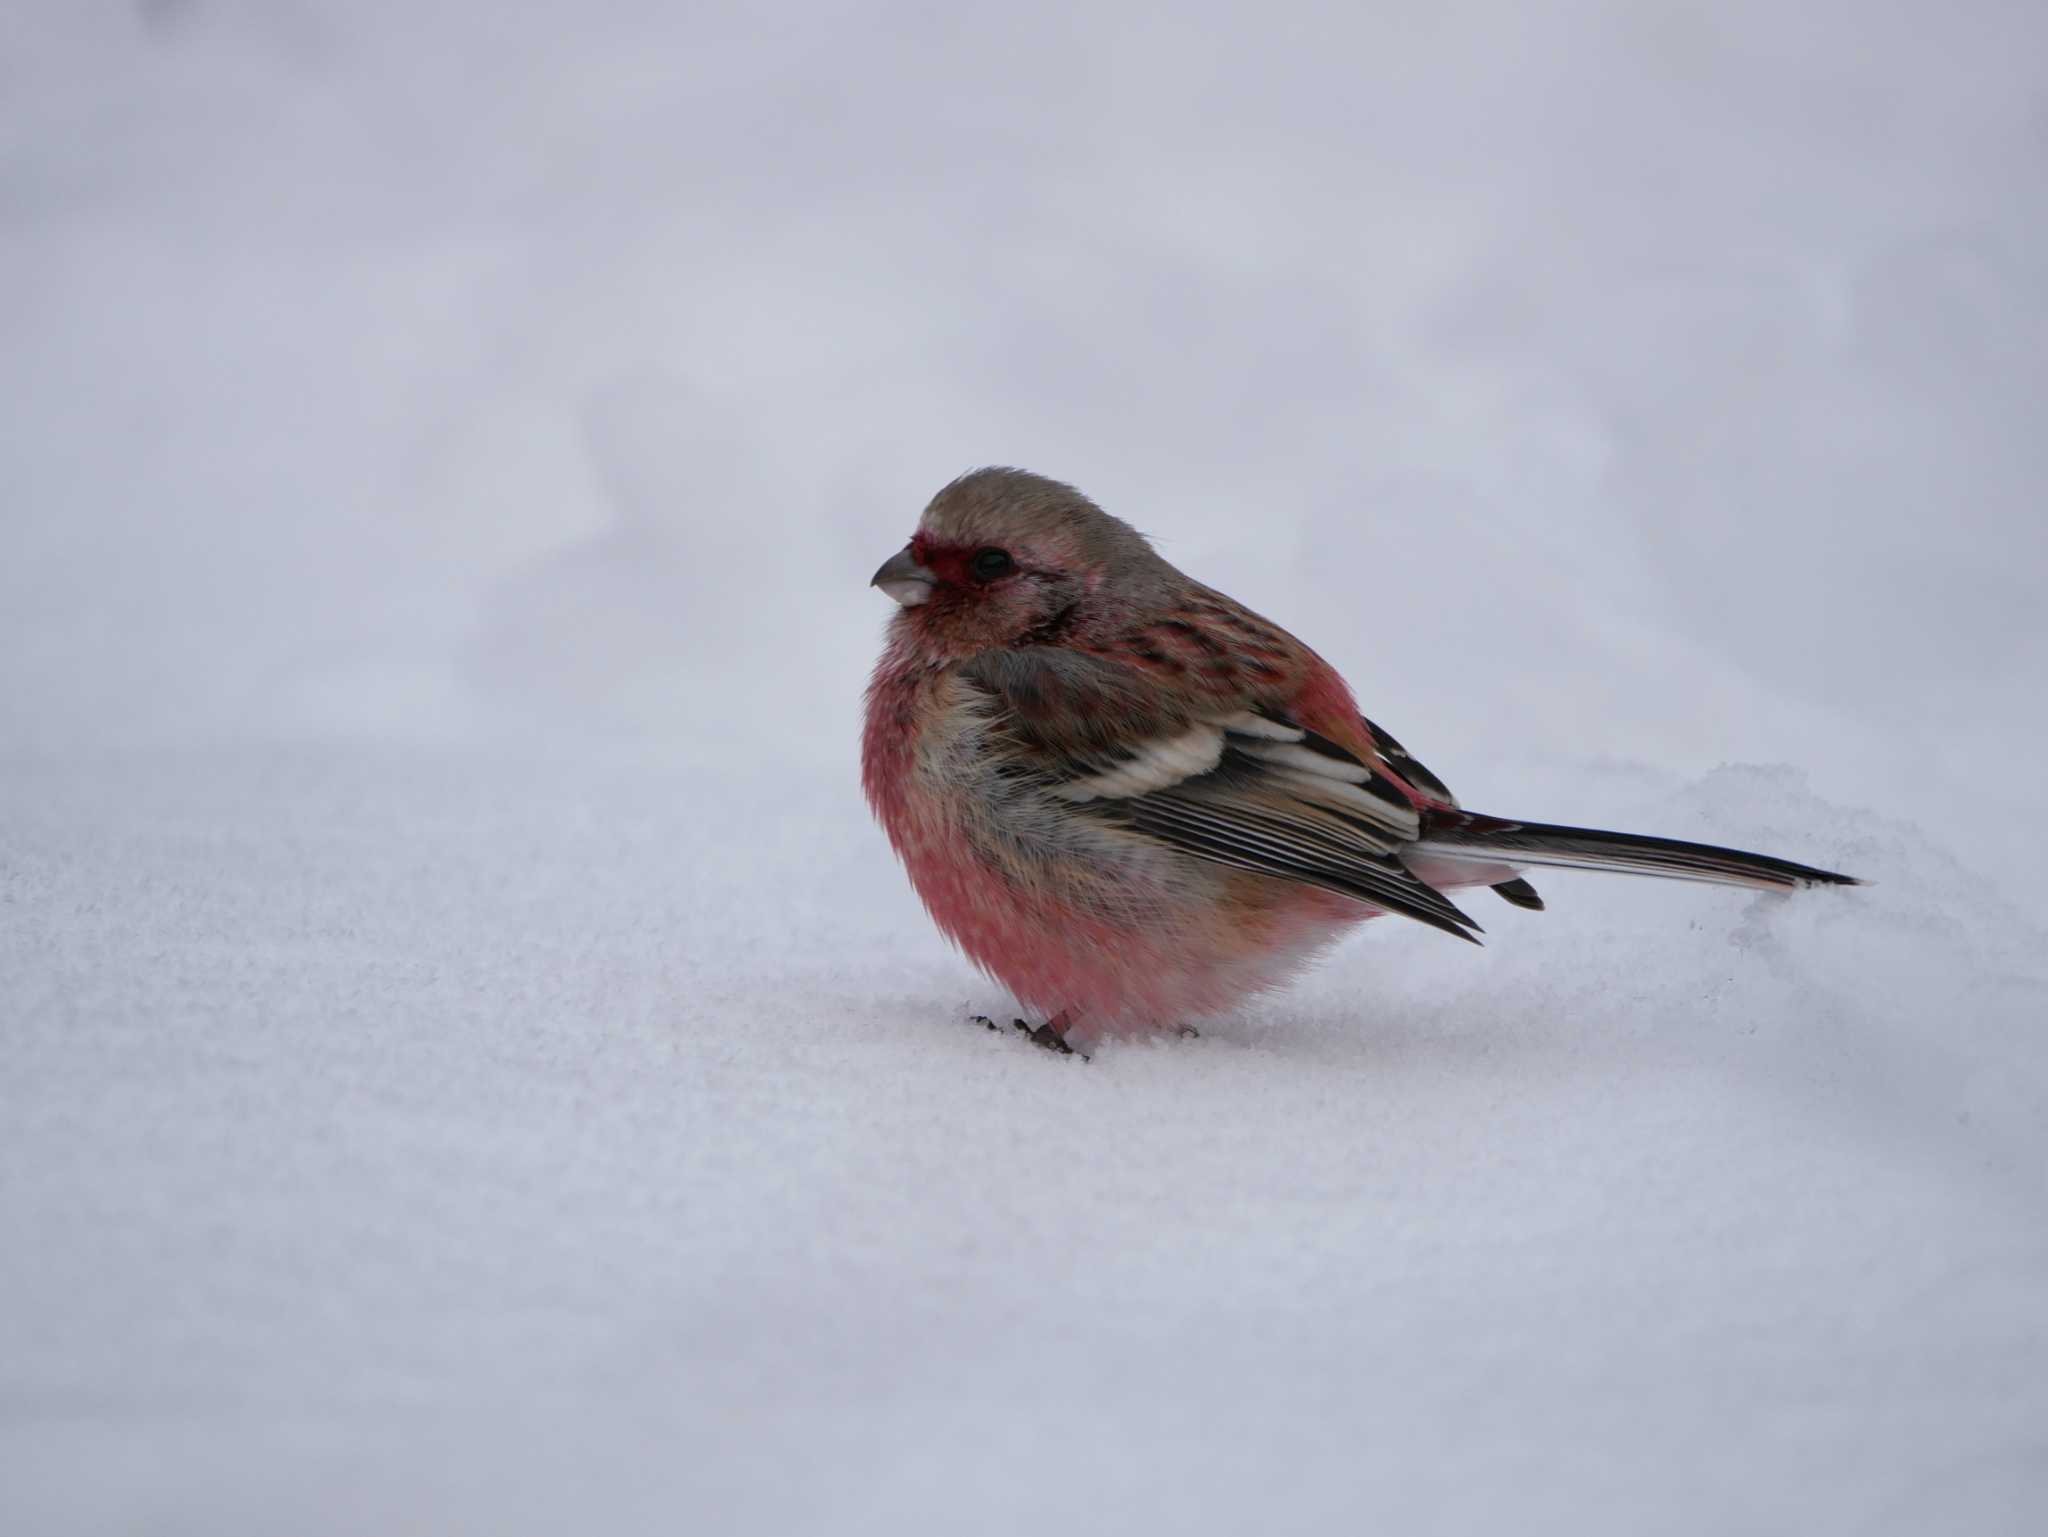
<point x="903" y="579"/>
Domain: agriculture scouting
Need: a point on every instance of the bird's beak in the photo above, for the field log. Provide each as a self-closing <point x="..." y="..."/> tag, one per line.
<point x="903" y="579"/>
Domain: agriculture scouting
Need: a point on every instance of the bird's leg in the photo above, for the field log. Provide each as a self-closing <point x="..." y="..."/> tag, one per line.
<point x="1052" y="1035"/>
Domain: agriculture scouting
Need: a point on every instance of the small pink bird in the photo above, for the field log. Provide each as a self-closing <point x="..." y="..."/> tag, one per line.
<point x="1136" y="803"/>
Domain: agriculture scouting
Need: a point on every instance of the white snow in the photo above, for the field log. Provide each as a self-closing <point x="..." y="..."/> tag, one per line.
<point x="469" y="1064"/>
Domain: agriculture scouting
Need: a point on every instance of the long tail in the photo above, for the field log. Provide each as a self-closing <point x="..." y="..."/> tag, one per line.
<point x="1469" y="836"/>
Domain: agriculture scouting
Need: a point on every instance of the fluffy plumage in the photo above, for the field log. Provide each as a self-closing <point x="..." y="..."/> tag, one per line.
<point x="1135" y="802"/>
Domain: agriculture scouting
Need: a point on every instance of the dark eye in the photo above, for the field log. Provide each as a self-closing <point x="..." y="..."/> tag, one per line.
<point x="987" y="564"/>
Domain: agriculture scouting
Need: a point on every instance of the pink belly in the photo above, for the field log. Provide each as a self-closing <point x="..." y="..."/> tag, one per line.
<point x="1226" y="938"/>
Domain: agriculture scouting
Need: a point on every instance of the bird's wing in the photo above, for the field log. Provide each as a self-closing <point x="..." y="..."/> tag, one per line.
<point x="1406" y="764"/>
<point x="1236" y="779"/>
<point x="1411" y="768"/>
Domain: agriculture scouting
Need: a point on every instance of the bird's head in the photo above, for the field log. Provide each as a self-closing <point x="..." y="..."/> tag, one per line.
<point x="1006" y="558"/>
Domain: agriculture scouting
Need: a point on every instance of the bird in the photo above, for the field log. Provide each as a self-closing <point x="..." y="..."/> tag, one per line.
<point x="1137" y="804"/>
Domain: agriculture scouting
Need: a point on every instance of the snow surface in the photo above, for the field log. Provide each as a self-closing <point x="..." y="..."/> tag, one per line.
<point x="471" y="1065"/>
<point x="410" y="1141"/>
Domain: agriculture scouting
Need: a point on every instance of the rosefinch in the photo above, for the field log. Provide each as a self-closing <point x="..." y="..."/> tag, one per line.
<point x="1134" y="802"/>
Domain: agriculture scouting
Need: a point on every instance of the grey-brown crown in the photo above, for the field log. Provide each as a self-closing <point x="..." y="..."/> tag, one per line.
<point x="998" y="505"/>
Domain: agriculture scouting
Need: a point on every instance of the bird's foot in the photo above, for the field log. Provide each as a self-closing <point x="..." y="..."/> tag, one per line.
<point x="1051" y="1035"/>
<point x="1047" y="1036"/>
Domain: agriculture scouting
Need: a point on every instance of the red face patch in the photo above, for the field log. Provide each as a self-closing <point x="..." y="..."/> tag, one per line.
<point x="947" y="562"/>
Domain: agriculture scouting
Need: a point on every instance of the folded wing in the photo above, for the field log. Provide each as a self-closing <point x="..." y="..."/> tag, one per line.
<point x="1240" y="784"/>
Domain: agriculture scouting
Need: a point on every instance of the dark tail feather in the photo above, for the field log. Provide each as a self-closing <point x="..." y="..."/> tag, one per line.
<point x="1484" y="839"/>
<point x="1519" y="892"/>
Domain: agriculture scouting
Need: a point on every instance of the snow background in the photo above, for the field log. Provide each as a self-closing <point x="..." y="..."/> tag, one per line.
<point x="471" y="1064"/>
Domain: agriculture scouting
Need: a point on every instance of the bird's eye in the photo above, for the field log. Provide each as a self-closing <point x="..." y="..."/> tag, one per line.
<point x="988" y="564"/>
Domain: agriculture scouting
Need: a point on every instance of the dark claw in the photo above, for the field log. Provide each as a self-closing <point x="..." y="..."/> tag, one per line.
<point x="1045" y="1036"/>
